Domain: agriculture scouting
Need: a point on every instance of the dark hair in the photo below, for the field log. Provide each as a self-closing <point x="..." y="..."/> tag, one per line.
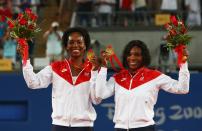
<point x="80" y="30"/>
<point x="146" y="59"/>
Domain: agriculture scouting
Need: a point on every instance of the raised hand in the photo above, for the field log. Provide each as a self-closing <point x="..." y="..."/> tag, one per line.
<point x="104" y="58"/>
<point x="185" y="55"/>
<point x="21" y="50"/>
<point x="96" y="62"/>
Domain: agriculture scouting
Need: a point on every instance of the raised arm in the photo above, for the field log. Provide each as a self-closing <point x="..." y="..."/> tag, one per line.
<point x="39" y="80"/>
<point x="104" y="88"/>
<point x="173" y="86"/>
<point x="35" y="81"/>
<point x="93" y="97"/>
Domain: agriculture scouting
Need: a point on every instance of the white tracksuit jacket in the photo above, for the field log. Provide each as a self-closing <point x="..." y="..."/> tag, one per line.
<point x="136" y="96"/>
<point x="71" y="102"/>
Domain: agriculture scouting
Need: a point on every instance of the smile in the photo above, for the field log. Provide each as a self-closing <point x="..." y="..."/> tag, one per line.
<point x="75" y="51"/>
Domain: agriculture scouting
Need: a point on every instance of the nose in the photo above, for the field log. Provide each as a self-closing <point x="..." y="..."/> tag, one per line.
<point x="132" y="57"/>
<point x="75" y="44"/>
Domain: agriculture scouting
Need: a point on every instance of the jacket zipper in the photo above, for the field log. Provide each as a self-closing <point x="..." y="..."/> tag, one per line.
<point x="129" y="104"/>
<point x="132" y="77"/>
<point x="72" y="89"/>
<point x="66" y="113"/>
<point x="71" y="107"/>
<point x="69" y="120"/>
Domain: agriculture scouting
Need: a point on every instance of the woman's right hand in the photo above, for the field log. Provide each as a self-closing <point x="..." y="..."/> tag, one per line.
<point x="21" y="50"/>
<point x="98" y="62"/>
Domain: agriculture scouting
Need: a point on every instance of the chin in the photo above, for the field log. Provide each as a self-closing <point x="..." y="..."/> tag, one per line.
<point x="75" y="56"/>
<point x="134" y="67"/>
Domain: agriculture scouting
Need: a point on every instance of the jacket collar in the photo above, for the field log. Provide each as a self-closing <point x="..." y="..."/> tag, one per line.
<point x="143" y="75"/>
<point x="62" y="68"/>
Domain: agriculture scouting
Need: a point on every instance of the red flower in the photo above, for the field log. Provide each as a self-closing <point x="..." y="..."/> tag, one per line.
<point x="33" y="17"/>
<point x="31" y="27"/>
<point x="8" y="13"/>
<point x="174" y="20"/>
<point x="173" y="32"/>
<point x="168" y="26"/>
<point x="183" y="30"/>
<point x="5" y="13"/>
<point x="10" y="24"/>
<point x="23" y="21"/>
<point x="20" y="16"/>
<point x="28" y="11"/>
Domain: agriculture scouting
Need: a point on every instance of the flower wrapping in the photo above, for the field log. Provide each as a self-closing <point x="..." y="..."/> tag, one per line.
<point x="177" y="37"/>
<point x="24" y="28"/>
<point x="22" y="42"/>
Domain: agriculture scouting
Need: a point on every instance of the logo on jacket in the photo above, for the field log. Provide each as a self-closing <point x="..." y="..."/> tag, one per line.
<point x="86" y="74"/>
<point x="64" y="70"/>
<point x="123" y="79"/>
<point x="142" y="78"/>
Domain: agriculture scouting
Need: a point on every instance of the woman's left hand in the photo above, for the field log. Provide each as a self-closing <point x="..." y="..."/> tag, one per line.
<point x="95" y="62"/>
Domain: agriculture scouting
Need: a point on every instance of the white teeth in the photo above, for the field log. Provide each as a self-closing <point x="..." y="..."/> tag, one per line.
<point x="133" y="63"/>
<point x="75" y="51"/>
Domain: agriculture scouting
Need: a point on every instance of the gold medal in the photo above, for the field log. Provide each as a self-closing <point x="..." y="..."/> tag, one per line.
<point x="109" y="50"/>
<point x="90" y="54"/>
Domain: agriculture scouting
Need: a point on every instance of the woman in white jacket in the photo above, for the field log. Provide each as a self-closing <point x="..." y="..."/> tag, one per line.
<point x="72" y="96"/>
<point x="136" y="88"/>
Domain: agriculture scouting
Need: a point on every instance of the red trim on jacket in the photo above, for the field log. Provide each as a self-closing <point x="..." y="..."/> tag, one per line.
<point x="143" y="76"/>
<point x="63" y="70"/>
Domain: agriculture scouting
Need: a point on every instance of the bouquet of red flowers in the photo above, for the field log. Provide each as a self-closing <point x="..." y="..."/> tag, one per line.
<point x="24" y="28"/>
<point x="177" y="37"/>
